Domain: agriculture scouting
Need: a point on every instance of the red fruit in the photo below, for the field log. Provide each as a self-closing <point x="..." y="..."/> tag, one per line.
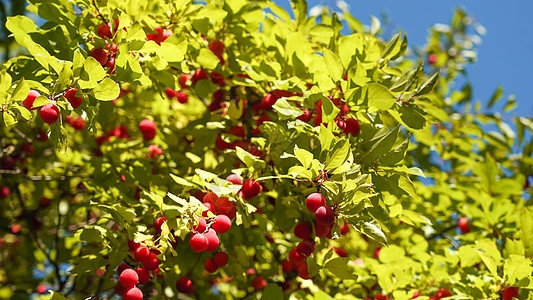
<point x="432" y="58"/>
<point x="28" y="102"/>
<point x="341" y="252"/>
<point x="198" y="242"/>
<point x="463" y="225"/>
<point x="155" y="151"/>
<point x="380" y="296"/>
<point x="133" y="245"/>
<point x="100" y="55"/>
<point x="238" y="130"/>
<point x="142" y="253"/>
<point x="303" y="271"/>
<point x="441" y="293"/>
<point x="152" y="262"/>
<point x="259" y="283"/>
<point x="202" y="225"/>
<point x="210" y="265"/>
<point x="182" y="97"/>
<point x="306" y="117"/>
<point x="198" y="75"/>
<point x="144" y="275"/>
<point x="210" y="198"/>
<point x="220" y="259"/>
<point x="210" y="207"/>
<point x="133" y="294"/>
<point x="129" y="278"/>
<point x="268" y="101"/>
<point x="317" y="120"/>
<point x="4" y="192"/>
<point x="43" y="202"/>
<point x="416" y="295"/>
<point x="376" y="252"/>
<point x="212" y="239"/>
<point x="104" y="31"/>
<point x="184" y="285"/>
<point x="324" y="215"/>
<point x="322" y="230"/>
<point x="314" y="201"/>
<point x="221" y="144"/>
<point x="509" y="293"/>
<point x="295" y="258"/>
<point x="303" y="230"/>
<point x="251" y="189"/>
<point x="148" y="129"/>
<point x="305" y="248"/>
<point x="286" y="266"/>
<point x="217" y="78"/>
<point x="182" y="80"/>
<point x="222" y="224"/>
<point x="78" y="124"/>
<point x="41" y="289"/>
<point x="160" y="36"/>
<point x="345" y="109"/>
<point x="235" y="179"/>
<point x="171" y="93"/>
<point x="224" y="206"/>
<point x="340" y="123"/>
<point x="345" y="228"/>
<point x="49" y="113"/>
<point x="110" y="64"/>
<point x="352" y="127"/>
<point x="217" y="47"/>
<point x="122" y="267"/>
<point x="158" y="223"/>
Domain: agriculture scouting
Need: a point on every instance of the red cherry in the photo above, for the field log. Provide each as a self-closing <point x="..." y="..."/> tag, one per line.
<point x="100" y="55"/>
<point x="463" y="225"/>
<point x="28" y="102"/>
<point x="218" y="78"/>
<point x="340" y="123"/>
<point x="441" y="293"/>
<point x="345" y="228"/>
<point x="183" y="79"/>
<point x="144" y="275"/>
<point x="155" y="151"/>
<point x="198" y="75"/>
<point x="152" y="262"/>
<point x="286" y="266"/>
<point x="212" y="239"/>
<point x="4" y="192"/>
<point x="43" y="202"/>
<point x="380" y="296"/>
<point x="182" y="97"/>
<point x="129" y="278"/>
<point x="220" y="259"/>
<point x="295" y="258"/>
<point x="303" y="271"/>
<point x="122" y="267"/>
<point x="198" y="242"/>
<point x="509" y="293"/>
<point x="210" y="207"/>
<point x="352" y="127"/>
<point x="323" y="230"/>
<point x="235" y="179"/>
<point x="432" y="58"/>
<point x="158" y="223"/>
<point x="217" y="47"/>
<point x="238" y="130"/>
<point x="305" y="248"/>
<point x="341" y="252"/>
<point x="314" y="201"/>
<point x="303" y="230"/>
<point x="251" y="189"/>
<point x="148" y="129"/>
<point x="210" y="265"/>
<point x="202" y="225"/>
<point x="268" y="101"/>
<point x="184" y="285"/>
<point x="49" y="113"/>
<point x="222" y="224"/>
<point x="132" y="245"/>
<point x="133" y="294"/>
<point x="416" y="295"/>
<point x="306" y="117"/>
<point x="324" y="215"/>
<point x="104" y="31"/>
<point x="141" y="253"/>
<point x="171" y="93"/>
<point x="259" y="283"/>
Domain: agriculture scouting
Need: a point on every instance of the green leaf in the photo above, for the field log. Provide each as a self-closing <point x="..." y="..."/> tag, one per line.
<point x="429" y="84"/>
<point x="380" y="146"/>
<point x="326" y="137"/>
<point x="283" y="107"/>
<point x="9" y="118"/>
<point x="339" y="267"/>
<point x="526" y="230"/>
<point x="173" y="53"/>
<point x="333" y="64"/>
<point x="21" y="91"/>
<point x="305" y="157"/>
<point x="91" y="73"/>
<point x="207" y="59"/>
<point x="373" y="230"/>
<point x="272" y="292"/>
<point x="59" y="137"/>
<point x="516" y="268"/>
<point x="338" y="155"/>
<point x="489" y="261"/>
<point x="91" y="234"/>
<point x="495" y="96"/>
<point x="393" y="47"/>
<point x="329" y="110"/>
<point x="107" y="90"/>
<point x="20" y="26"/>
<point x="56" y="296"/>
<point x="379" y="96"/>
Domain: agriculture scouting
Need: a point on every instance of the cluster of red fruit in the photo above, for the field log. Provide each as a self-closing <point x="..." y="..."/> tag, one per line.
<point x="77" y="123"/>
<point x="129" y="278"/>
<point x="50" y="113"/>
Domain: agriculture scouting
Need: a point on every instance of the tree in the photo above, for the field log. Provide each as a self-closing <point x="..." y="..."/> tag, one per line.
<point x="286" y="158"/>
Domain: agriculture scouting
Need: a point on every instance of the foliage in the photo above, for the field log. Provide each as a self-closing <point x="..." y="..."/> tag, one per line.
<point x="274" y="104"/>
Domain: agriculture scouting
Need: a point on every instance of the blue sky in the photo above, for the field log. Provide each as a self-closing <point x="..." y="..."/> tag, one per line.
<point x="504" y="57"/>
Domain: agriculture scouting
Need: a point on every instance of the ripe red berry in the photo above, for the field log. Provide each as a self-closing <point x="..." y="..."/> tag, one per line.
<point x="268" y="101"/>
<point x="144" y="275"/>
<point x="210" y="207"/>
<point x="198" y="75"/>
<point x="306" y="116"/>
<point x="463" y="225"/>
<point x="155" y="151"/>
<point x="442" y="292"/>
<point x="432" y="58"/>
<point x="341" y="252"/>
<point x="322" y="230"/>
<point x="212" y="239"/>
<point x="104" y="31"/>
<point x="141" y="253"/>
<point x="314" y="201"/>
<point x="416" y="295"/>
<point x="286" y="266"/>
<point x="183" y="79"/>
<point x="182" y="97"/>
<point x="295" y="258"/>
<point x="324" y="215"/>
<point x="49" y="113"/>
<point x="235" y="179"/>
<point x="259" y="283"/>
<point x="305" y="248"/>
<point x="158" y="223"/>
<point x="340" y="123"/>
<point x="303" y="271"/>
<point x="100" y="55"/>
<point x="222" y="224"/>
<point x="238" y="130"/>
<point x="220" y="259"/>
<point x="148" y="129"/>
<point x="122" y="267"/>
<point x="129" y="278"/>
<point x="217" y="47"/>
<point x="198" y="242"/>
<point x="210" y="265"/>
<point x="152" y="262"/>
<point x="28" y="102"/>
<point x="133" y="294"/>
<point x="251" y="189"/>
<point x="4" y="192"/>
<point x="303" y="230"/>
<point x="202" y="225"/>
<point x="510" y="293"/>
<point x="352" y="127"/>
<point x="184" y="285"/>
<point x="345" y="228"/>
<point x="380" y="296"/>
